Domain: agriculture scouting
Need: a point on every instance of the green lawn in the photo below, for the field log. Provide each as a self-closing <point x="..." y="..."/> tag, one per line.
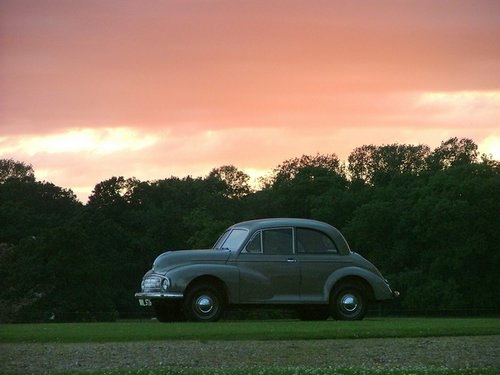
<point x="294" y="371"/>
<point x="248" y="330"/>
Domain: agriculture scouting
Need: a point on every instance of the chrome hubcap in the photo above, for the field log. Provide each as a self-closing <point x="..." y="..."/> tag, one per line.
<point x="349" y="302"/>
<point x="204" y="304"/>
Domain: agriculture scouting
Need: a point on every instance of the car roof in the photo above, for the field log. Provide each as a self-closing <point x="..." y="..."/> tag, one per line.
<point x="280" y="222"/>
<point x="334" y="233"/>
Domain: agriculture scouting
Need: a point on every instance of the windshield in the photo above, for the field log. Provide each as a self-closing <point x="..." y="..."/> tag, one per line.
<point x="231" y="240"/>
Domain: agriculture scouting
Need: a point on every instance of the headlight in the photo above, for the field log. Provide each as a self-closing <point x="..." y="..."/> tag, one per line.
<point x="155" y="284"/>
<point x="165" y="284"/>
<point x="151" y="283"/>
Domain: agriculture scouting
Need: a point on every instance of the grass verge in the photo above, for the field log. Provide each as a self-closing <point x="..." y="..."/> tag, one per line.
<point x="295" y="371"/>
<point x="248" y="330"/>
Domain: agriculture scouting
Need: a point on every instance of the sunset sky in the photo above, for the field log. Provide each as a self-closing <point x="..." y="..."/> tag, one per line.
<point x="91" y="89"/>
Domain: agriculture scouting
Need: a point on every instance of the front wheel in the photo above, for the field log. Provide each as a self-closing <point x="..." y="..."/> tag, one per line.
<point x="204" y="303"/>
<point x="348" y="302"/>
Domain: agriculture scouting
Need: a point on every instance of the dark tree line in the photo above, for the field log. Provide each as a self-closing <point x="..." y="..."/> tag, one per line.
<point x="429" y="219"/>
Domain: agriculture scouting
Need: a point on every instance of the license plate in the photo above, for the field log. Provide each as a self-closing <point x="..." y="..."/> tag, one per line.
<point x="145" y="302"/>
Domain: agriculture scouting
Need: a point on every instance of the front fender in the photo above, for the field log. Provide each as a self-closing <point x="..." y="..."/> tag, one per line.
<point x="182" y="276"/>
<point x="381" y="290"/>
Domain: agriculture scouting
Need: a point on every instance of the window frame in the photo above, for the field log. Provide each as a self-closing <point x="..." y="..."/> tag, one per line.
<point x="257" y="233"/>
<point x="219" y="245"/>
<point x="336" y="252"/>
<point x="261" y="233"/>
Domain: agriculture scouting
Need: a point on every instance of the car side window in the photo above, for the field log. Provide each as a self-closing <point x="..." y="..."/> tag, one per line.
<point x="278" y="241"/>
<point x="311" y="241"/>
<point x="255" y="244"/>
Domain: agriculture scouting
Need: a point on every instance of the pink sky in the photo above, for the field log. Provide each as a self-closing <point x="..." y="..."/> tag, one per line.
<point x="94" y="89"/>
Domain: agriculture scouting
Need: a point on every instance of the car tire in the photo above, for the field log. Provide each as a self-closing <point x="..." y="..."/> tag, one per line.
<point x="204" y="303"/>
<point x="348" y="302"/>
<point x="313" y="313"/>
<point x="168" y="312"/>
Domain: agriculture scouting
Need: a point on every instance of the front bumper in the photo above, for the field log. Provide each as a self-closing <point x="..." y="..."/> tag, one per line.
<point x="156" y="286"/>
<point x="158" y="295"/>
<point x="145" y="299"/>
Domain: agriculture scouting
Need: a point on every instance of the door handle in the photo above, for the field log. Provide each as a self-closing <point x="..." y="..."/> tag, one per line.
<point x="291" y="260"/>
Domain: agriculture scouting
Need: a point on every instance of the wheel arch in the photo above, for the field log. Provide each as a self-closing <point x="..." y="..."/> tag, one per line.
<point x="210" y="280"/>
<point x="355" y="280"/>
<point x="373" y="284"/>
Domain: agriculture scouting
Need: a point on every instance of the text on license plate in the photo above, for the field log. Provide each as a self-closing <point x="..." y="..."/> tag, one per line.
<point x="145" y="302"/>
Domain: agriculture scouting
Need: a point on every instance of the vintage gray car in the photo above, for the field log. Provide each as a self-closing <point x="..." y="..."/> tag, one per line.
<point x="302" y="263"/>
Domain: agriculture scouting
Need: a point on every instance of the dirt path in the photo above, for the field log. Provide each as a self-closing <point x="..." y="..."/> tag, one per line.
<point x="450" y="352"/>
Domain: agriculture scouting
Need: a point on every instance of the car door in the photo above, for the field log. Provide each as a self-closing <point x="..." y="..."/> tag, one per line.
<point x="318" y="257"/>
<point x="269" y="271"/>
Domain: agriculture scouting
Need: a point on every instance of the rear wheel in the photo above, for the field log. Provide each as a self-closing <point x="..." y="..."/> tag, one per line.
<point x="348" y="302"/>
<point x="204" y="303"/>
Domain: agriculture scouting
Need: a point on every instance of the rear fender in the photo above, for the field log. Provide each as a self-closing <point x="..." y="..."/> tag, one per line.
<point x="381" y="290"/>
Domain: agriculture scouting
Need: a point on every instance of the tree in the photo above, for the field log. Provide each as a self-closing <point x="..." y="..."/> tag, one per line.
<point x="429" y="220"/>
<point x="453" y="152"/>
<point x="67" y="278"/>
<point x="234" y="182"/>
<point x="11" y="169"/>
<point x="435" y="237"/>
<point x="27" y="208"/>
<point x="300" y="186"/>
<point x="307" y="165"/>
<point x="116" y="190"/>
<point x="378" y="164"/>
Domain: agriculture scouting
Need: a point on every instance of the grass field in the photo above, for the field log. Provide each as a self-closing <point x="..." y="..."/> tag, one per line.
<point x="295" y="371"/>
<point x="248" y="330"/>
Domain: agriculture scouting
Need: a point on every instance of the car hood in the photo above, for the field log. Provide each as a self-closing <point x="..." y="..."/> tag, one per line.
<point x="172" y="259"/>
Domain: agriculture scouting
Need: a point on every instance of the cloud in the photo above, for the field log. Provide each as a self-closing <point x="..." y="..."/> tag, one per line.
<point x="82" y="157"/>
<point x="491" y="146"/>
<point x="256" y="151"/>
<point x="98" y="65"/>
<point x="98" y="141"/>
<point x="95" y="89"/>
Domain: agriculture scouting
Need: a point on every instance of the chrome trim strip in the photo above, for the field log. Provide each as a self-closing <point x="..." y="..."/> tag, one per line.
<point x="156" y="295"/>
